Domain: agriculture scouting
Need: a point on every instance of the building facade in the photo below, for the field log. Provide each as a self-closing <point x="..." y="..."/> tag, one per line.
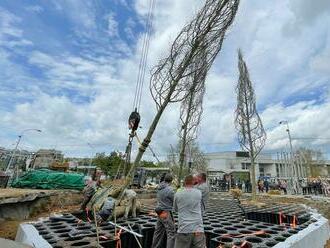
<point x="44" y="158"/>
<point x="18" y="157"/>
<point x="267" y="165"/>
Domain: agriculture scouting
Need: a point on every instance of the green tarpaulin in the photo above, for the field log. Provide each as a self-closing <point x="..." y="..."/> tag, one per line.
<point x="48" y="179"/>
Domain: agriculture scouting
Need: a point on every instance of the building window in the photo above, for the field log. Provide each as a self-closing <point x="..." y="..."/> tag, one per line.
<point x="262" y="171"/>
<point x="242" y="154"/>
<point x="245" y="166"/>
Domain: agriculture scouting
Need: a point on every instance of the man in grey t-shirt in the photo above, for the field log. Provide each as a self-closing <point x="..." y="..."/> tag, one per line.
<point x="187" y="202"/>
<point x="204" y="188"/>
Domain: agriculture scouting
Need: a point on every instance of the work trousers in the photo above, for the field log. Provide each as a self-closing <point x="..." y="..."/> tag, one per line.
<point x="130" y="204"/>
<point x="165" y="228"/>
<point x="86" y="200"/>
<point x="190" y="240"/>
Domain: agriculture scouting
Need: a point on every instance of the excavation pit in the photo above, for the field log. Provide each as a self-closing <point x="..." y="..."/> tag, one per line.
<point x="224" y="224"/>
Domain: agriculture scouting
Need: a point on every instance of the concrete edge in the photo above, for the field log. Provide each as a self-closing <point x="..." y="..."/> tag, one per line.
<point x="315" y="235"/>
<point x="29" y="235"/>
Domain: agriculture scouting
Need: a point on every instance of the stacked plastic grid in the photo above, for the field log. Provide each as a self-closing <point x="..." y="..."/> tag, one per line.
<point x="224" y="224"/>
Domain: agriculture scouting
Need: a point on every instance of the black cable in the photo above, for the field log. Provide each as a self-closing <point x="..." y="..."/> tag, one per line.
<point x="143" y="59"/>
<point x="145" y="55"/>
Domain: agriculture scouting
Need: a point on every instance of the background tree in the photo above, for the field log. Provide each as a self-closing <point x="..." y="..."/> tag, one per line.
<point x="251" y="133"/>
<point x="148" y="164"/>
<point x="196" y="157"/>
<point x="109" y="164"/>
<point x="312" y="161"/>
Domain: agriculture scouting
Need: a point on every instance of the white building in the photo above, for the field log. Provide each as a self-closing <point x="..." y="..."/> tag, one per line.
<point x="279" y="165"/>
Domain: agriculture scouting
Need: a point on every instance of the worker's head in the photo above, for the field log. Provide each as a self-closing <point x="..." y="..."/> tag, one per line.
<point x="201" y="177"/>
<point x="196" y="179"/>
<point x="168" y="178"/>
<point x="189" y="181"/>
<point x="162" y="177"/>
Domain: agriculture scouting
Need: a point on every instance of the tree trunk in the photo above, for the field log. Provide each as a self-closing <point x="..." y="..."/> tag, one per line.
<point x="253" y="178"/>
<point x="184" y="137"/>
<point x="252" y="155"/>
<point x="143" y="147"/>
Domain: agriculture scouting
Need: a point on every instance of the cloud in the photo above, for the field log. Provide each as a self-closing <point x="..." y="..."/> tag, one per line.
<point x="308" y="122"/>
<point x="83" y="92"/>
<point x="35" y="8"/>
<point x="112" y="25"/>
<point x="11" y="36"/>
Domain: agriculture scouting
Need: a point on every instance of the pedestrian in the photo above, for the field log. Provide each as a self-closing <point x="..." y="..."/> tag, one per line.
<point x="243" y="187"/>
<point x="266" y="185"/>
<point x="284" y="186"/>
<point x="165" y="227"/>
<point x="204" y="188"/>
<point x="304" y="186"/>
<point x="187" y="203"/>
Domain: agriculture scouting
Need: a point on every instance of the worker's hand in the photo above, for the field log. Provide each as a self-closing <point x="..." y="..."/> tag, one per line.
<point x="99" y="219"/>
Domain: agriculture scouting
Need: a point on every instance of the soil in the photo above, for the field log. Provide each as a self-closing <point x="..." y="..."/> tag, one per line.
<point x="8" y="228"/>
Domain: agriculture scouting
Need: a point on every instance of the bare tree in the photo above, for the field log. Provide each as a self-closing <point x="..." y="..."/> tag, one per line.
<point x="171" y="78"/>
<point x="199" y="162"/>
<point x="311" y="161"/>
<point x="190" y="114"/>
<point x="251" y="133"/>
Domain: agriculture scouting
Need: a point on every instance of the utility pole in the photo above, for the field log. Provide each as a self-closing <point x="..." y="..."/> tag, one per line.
<point x="15" y="149"/>
<point x="292" y="160"/>
<point x="291" y="147"/>
<point x="13" y="153"/>
<point x="91" y="160"/>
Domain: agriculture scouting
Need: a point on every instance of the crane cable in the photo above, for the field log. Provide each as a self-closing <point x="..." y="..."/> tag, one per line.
<point x="144" y="57"/>
<point x="134" y="118"/>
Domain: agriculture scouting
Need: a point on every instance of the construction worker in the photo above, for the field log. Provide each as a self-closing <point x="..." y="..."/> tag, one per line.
<point x="204" y="188"/>
<point x="88" y="191"/>
<point x="107" y="209"/>
<point x="130" y="202"/>
<point x="187" y="203"/>
<point x="165" y="226"/>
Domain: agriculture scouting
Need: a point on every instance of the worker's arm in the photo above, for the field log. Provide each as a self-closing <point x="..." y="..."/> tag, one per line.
<point x="171" y="195"/>
<point x="175" y="206"/>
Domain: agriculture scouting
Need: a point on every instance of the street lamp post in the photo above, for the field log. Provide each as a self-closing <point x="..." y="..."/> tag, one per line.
<point x="16" y="146"/>
<point x="91" y="160"/>
<point x="294" y="170"/>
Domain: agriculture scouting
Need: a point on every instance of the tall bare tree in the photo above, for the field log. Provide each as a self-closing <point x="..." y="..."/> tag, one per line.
<point x="251" y="133"/>
<point x="171" y="78"/>
<point x="190" y="114"/>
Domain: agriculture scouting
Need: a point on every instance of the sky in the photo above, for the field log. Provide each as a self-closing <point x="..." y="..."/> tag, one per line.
<point x="69" y="68"/>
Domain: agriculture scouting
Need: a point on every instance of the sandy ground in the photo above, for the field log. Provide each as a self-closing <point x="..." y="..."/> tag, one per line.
<point x="11" y="192"/>
<point x="8" y="228"/>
